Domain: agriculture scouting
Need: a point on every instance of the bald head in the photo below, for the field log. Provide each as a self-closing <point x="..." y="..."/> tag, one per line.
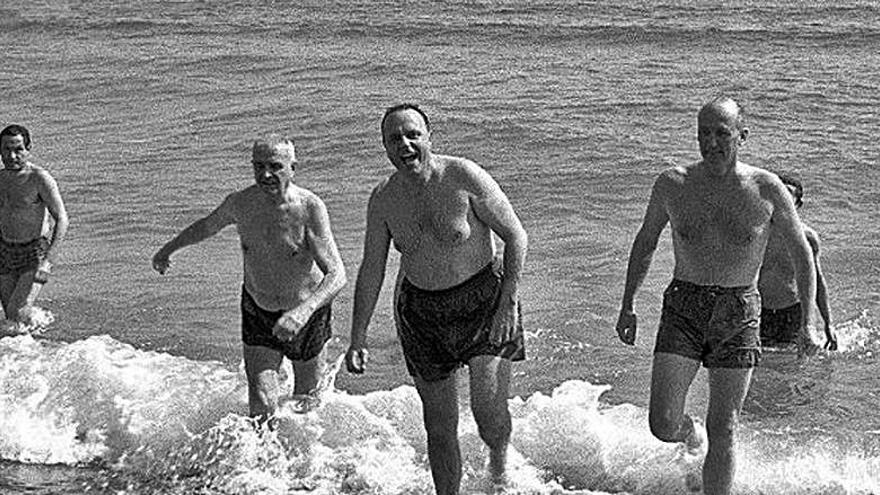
<point x="274" y="148"/>
<point x="723" y="107"/>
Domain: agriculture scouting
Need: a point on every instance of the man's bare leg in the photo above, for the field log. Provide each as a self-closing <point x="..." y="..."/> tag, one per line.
<point x="16" y="293"/>
<point x="307" y="377"/>
<point x="489" y="383"/>
<point x="727" y="391"/>
<point x="671" y="378"/>
<point x="261" y="367"/>
<point x="440" y="412"/>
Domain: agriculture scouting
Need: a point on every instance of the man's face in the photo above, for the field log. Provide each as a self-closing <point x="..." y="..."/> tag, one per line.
<point x="13" y="152"/>
<point x="407" y="141"/>
<point x="719" y="135"/>
<point x="273" y="166"/>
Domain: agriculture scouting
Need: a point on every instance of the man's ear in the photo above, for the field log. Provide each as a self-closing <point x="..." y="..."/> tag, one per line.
<point x="743" y="135"/>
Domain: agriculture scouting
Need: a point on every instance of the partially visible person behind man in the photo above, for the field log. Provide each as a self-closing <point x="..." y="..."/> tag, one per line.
<point x="721" y="212"/>
<point x="781" y="307"/>
<point x="292" y="272"/>
<point x="29" y="241"/>
<point x="454" y="304"/>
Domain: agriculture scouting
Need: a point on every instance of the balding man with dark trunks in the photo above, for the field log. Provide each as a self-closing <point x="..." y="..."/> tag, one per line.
<point x="292" y="272"/>
<point x="454" y="304"/>
<point x="29" y="196"/>
<point x="721" y="212"/>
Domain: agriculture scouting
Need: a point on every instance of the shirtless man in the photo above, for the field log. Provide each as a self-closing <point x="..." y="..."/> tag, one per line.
<point x="27" y="252"/>
<point x="292" y="272"/>
<point x="454" y="304"/>
<point x="721" y="211"/>
<point x="781" y="309"/>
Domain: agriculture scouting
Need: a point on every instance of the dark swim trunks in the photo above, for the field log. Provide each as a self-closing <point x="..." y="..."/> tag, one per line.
<point x="718" y="326"/>
<point x="20" y="257"/>
<point x="780" y="326"/>
<point x="444" y="329"/>
<point x="257" y="323"/>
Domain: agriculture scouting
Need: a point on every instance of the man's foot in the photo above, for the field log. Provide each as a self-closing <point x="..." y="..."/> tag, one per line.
<point x="9" y="328"/>
<point x="695" y="444"/>
<point x="498" y="470"/>
<point x="303" y="403"/>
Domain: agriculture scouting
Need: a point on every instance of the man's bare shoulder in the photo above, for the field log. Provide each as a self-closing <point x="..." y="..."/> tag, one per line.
<point x="307" y="198"/>
<point x="386" y="187"/>
<point x="240" y="199"/>
<point x="757" y="174"/>
<point x="39" y="176"/>
<point x="464" y="173"/>
<point x="385" y="194"/>
<point x="769" y="184"/>
<point x="673" y="176"/>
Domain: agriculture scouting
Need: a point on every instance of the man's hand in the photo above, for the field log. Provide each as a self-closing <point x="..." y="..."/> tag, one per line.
<point x="626" y="326"/>
<point x="504" y="324"/>
<point x="291" y="322"/>
<point x="161" y="262"/>
<point x="356" y="359"/>
<point x="830" y="339"/>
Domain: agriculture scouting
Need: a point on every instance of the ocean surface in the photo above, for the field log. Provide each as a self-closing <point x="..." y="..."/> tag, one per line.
<point x="145" y="112"/>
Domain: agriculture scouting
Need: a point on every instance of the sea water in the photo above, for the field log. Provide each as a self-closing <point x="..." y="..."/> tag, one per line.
<point x="145" y="111"/>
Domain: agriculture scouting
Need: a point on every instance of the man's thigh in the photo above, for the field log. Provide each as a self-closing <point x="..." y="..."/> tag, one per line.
<point x="727" y="392"/>
<point x="259" y="360"/>
<point x="671" y="377"/>
<point x="489" y="381"/>
<point x="439" y="404"/>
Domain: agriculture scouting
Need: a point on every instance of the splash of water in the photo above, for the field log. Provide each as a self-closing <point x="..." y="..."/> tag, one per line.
<point x="161" y="423"/>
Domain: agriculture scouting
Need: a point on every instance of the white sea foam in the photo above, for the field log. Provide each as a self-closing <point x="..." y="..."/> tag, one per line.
<point x="158" y="422"/>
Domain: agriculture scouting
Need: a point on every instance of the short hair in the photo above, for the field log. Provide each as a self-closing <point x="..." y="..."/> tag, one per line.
<point x="405" y="106"/>
<point x="268" y="143"/>
<point x="788" y="180"/>
<point x="17" y="130"/>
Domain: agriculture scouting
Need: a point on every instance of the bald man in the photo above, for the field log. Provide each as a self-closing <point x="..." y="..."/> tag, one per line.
<point x="292" y="272"/>
<point x="721" y="212"/>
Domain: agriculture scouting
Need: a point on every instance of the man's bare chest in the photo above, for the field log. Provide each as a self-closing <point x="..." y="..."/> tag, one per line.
<point x="17" y="194"/>
<point x="730" y="219"/>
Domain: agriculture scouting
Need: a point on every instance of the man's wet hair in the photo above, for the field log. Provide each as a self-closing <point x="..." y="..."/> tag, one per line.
<point x="405" y="106"/>
<point x="788" y="180"/>
<point x="17" y="130"/>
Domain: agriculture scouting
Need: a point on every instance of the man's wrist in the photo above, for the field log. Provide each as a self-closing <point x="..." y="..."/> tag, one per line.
<point x="41" y="276"/>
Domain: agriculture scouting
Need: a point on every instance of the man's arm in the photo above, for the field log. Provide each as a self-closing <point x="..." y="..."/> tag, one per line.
<point x="51" y="196"/>
<point x="370" y="276"/>
<point x="198" y="231"/>
<point x="493" y="208"/>
<point x="821" y="290"/>
<point x="786" y="219"/>
<point x="326" y="256"/>
<point x="640" y="256"/>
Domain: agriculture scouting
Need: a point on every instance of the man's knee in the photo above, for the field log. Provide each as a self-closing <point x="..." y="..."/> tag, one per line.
<point x="493" y="422"/>
<point x="669" y="427"/>
<point x="720" y="430"/>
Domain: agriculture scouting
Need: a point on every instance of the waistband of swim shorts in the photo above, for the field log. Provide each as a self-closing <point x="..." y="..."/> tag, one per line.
<point x="476" y="280"/>
<point x="25" y="243"/>
<point x="713" y="289"/>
